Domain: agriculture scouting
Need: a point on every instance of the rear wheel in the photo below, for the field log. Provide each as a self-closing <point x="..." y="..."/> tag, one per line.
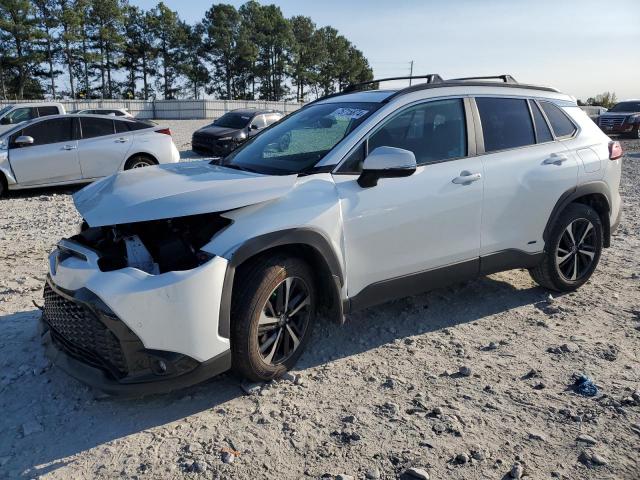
<point x="573" y="250"/>
<point x="138" y="161"/>
<point x="273" y="312"/>
<point x="3" y="185"/>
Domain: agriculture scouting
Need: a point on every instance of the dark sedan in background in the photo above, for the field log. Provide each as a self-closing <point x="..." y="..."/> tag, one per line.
<point x="231" y="130"/>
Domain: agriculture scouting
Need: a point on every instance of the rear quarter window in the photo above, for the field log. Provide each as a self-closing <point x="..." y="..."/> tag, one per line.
<point x="560" y="123"/>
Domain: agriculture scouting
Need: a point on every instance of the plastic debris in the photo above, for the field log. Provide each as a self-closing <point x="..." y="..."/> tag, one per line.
<point x="585" y="386"/>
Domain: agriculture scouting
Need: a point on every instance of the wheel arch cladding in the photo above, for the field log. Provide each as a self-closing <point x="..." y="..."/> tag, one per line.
<point x="308" y="244"/>
<point x="593" y="194"/>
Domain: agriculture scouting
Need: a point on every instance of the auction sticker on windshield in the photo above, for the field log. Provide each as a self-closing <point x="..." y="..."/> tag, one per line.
<point x="354" y="113"/>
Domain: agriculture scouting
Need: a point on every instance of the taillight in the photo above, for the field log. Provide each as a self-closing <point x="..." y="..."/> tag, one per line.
<point x="615" y="150"/>
<point x="166" y="131"/>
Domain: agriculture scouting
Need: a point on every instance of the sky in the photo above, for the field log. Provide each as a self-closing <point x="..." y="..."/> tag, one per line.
<point x="581" y="47"/>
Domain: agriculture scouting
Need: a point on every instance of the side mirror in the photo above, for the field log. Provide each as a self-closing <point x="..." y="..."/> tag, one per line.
<point x="24" y="140"/>
<point x="5" y="121"/>
<point x="386" y="162"/>
<point x="254" y="127"/>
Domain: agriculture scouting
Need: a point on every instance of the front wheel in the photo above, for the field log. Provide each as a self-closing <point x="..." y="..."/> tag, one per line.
<point x="273" y="312"/>
<point x="572" y="251"/>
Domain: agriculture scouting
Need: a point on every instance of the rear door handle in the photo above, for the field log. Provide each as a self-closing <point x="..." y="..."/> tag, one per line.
<point x="121" y="140"/>
<point x="69" y="147"/>
<point x="556" y="159"/>
<point x="466" y="177"/>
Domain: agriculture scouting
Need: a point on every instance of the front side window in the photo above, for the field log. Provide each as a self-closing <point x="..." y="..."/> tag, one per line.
<point x="298" y="142"/>
<point x="562" y="126"/>
<point x="433" y="131"/>
<point x="22" y="114"/>
<point x="506" y="123"/>
<point x="259" y="121"/>
<point x="96" y="127"/>
<point x="273" y="118"/>
<point x="55" y="130"/>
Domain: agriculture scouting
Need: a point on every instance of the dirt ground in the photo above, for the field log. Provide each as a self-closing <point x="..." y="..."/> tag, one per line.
<point x="468" y="382"/>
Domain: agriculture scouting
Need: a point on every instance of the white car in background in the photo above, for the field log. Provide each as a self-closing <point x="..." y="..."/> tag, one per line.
<point x="15" y="113"/>
<point x="114" y="112"/>
<point x="66" y="149"/>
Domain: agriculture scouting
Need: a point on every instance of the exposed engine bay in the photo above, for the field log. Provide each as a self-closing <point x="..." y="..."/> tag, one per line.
<point x="156" y="246"/>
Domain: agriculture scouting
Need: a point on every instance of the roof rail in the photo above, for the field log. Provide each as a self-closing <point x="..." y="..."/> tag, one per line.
<point x="504" y="78"/>
<point x="430" y="78"/>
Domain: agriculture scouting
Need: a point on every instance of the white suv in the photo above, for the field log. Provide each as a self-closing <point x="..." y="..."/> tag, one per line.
<point x="183" y="271"/>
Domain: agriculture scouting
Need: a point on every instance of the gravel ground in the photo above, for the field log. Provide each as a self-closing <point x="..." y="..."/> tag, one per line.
<point x="467" y="382"/>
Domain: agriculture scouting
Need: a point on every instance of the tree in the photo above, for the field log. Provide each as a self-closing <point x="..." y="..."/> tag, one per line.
<point x="606" y="99"/>
<point x="18" y="21"/>
<point x="222" y="24"/>
<point x="48" y="15"/>
<point x="170" y="37"/>
<point x="106" y="20"/>
<point x="307" y="52"/>
<point x="70" y="23"/>
<point x="193" y="67"/>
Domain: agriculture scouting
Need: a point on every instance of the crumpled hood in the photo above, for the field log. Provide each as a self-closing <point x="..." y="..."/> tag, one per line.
<point x="216" y="131"/>
<point x="175" y="190"/>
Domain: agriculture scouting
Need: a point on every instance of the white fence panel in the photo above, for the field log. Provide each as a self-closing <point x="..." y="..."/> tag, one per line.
<point x="172" y="109"/>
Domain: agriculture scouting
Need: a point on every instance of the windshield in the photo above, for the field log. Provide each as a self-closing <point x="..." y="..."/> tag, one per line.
<point x="233" y="120"/>
<point x="626" y="107"/>
<point x="299" y="141"/>
<point x="5" y="109"/>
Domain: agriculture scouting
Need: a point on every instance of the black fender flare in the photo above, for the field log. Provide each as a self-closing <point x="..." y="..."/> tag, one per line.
<point x="295" y="236"/>
<point x="590" y="188"/>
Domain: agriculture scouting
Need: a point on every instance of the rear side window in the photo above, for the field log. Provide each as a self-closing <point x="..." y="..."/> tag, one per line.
<point x="96" y="127"/>
<point x="543" y="134"/>
<point x="50" y="131"/>
<point x="506" y="123"/>
<point x="562" y="126"/>
<point x="122" y="127"/>
<point x="46" y="111"/>
<point x="139" y="125"/>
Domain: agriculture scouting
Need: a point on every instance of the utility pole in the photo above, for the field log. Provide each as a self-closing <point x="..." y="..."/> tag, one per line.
<point x="410" y="72"/>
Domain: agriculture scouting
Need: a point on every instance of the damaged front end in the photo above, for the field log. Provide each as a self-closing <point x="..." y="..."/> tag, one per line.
<point x="133" y="309"/>
<point x="156" y="246"/>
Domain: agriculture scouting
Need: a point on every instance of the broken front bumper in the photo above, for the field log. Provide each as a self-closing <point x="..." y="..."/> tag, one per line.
<point x="129" y="331"/>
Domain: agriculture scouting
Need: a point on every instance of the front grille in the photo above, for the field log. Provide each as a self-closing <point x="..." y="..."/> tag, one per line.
<point x="79" y="332"/>
<point x="611" y="121"/>
<point x="202" y="138"/>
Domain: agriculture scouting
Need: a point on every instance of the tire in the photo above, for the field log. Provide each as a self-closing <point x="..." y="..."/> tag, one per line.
<point x="635" y="134"/>
<point x="262" y="337"/>
<point x="573" y="250"/>
<point x="3" y="186"/>
<point x="139" y="161"/>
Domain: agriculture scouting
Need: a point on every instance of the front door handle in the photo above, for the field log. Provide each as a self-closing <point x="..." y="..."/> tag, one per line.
<point x="121" y="140"/>
<point x="556" y="159"/>
<point x="466" y="177"/>
<point x="69" y="147"/>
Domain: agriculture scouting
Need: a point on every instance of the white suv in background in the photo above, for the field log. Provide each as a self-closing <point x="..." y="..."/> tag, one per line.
<point x="183" y="271"/>
<point x="65" y="149"/>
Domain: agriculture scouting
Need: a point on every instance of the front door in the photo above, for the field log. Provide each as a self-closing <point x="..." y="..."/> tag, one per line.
<point x="53" y="156"/>
<point x="415" y="224"/>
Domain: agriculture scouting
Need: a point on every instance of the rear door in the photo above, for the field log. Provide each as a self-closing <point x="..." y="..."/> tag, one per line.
<point x="101" y="149"/>
<point x="526" y="171"/>
<point x="53" y="156"/>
